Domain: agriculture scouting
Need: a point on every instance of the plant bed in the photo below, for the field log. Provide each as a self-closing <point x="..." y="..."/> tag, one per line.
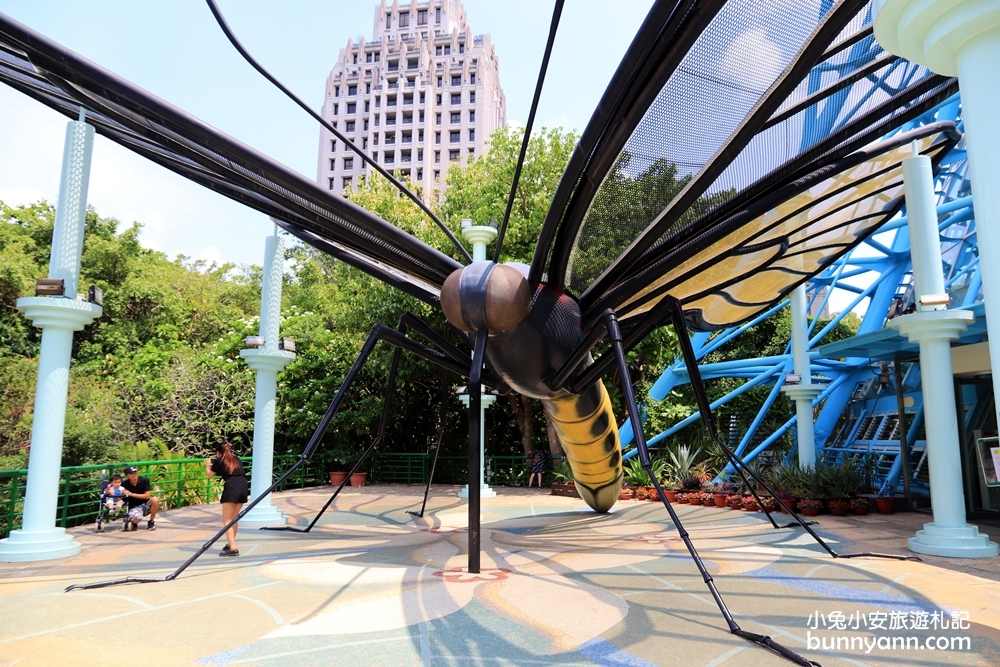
<point x="565" y="489"/>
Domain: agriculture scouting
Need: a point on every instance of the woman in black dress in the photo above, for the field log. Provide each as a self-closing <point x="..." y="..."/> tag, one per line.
<point x="234" y="493"/>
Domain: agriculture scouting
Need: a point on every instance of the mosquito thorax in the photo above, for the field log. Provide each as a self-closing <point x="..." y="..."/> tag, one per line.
<point x="486" y="295"/>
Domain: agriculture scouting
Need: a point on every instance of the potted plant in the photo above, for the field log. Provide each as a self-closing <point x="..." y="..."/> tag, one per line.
<point x="769" y="503"/>
<point x="694" y="498"/>
<point x="838" y="506"/>
<point x="682" y="498"/>
<point x="735" y="501"/>
<point x="564" y="485"/>
<point x="338" y="461"/>
<point x="810" y="506"/>
<point x="885" y="504"/>
<point x="720" y="493"/>
<point x="750" y="504"/>
<point x="626" y="493"/>
<point x="708" y="499"/>
<point x="860" y="506"/>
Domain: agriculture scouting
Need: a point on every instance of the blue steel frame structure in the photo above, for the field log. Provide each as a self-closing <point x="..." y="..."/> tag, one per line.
<point x="878" y="271"/>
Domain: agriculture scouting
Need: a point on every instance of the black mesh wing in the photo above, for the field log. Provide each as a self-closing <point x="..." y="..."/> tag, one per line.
<point x="166" y="135"/>
<point x="716" y="106"/>
<point x="731" y="272"/>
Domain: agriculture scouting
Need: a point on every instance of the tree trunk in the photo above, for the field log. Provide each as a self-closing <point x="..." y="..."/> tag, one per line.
<point x="521" y="407"/>
<point x="555" y="447"/>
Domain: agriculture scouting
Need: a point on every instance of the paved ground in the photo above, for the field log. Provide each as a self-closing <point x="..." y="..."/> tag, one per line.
<point x="372" y="585"/>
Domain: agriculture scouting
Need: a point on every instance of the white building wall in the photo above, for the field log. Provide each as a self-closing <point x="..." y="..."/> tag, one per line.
<point x="423" y="94"/>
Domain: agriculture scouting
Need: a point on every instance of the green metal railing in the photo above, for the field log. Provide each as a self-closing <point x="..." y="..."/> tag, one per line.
<point x="182" y="482"/>
<point x="176" y="482"/>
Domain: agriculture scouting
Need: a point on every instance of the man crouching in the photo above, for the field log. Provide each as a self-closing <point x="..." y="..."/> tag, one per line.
<point x="139" y="500"/>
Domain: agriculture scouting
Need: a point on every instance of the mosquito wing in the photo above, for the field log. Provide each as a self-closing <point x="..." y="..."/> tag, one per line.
<point x="722" y="166"/>
<point x="124" y="113"/>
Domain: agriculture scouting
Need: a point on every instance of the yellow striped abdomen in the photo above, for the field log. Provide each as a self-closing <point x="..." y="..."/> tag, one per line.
<point x="586" y="428"/>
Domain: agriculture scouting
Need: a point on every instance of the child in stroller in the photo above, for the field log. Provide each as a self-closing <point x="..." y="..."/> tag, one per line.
<point x="112" y="500"/>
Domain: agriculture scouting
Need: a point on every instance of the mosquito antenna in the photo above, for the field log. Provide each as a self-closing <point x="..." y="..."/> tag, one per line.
<point x="556" y="13"/>
<point x="364" y="156"/>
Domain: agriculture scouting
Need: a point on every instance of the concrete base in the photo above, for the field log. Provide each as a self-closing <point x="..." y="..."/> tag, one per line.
<point x="24" y="546"/>
<point x="264" y="515"/>
<point x="484" y="492"/>
<point x="961" y="542"/>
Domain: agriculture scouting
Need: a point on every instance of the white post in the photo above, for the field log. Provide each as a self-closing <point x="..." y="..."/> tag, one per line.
<point x="266" y="361"/>
<point x="479" y="236"/>
<point x="58" y="318"/>
<point x="933" y="328"/>
<point x="805" y="392"/>
<point x="962" y="38"/>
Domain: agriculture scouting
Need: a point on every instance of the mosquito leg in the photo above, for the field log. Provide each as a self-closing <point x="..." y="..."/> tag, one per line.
<point x="640" y="440"/>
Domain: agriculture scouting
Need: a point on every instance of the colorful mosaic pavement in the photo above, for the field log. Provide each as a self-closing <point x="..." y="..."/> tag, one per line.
<point x="560" y="585"/>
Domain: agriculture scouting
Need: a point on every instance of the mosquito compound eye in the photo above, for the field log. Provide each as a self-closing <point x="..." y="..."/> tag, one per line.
<point x="508" y="299"/>
<point x="451" y="300"/>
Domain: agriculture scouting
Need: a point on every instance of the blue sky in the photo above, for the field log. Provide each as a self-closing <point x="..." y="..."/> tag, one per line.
<point x="177" y="52"/>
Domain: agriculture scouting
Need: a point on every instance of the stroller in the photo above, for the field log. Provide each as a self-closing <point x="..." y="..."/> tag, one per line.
<point x="110" y="507"/>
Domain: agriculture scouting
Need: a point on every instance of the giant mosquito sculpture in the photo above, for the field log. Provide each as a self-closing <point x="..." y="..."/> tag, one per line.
<point x="758" y="213"/>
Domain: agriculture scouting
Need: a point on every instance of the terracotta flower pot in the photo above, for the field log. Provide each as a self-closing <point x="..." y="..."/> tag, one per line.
<point x="694" y="500"/>
<point x="337" y="478"/>
<point x="683" y="498"/>
<point x="653" y="495"/>
<point x="721" y="500"/>
<point x="810" y="512"/>
<point x="625" y="494"/>
<point x="671" y="496"/>
<point x="885" y="505"/>
<point x="791" y="502"/>
<point x="358" y="478"/>
<point x="750" y="506"/>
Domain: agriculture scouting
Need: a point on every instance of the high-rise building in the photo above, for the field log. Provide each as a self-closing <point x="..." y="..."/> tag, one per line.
<point x="423" y="94"/>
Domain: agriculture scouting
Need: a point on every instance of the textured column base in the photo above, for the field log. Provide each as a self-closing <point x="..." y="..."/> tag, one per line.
<point x="484" y="492"/>
<point x="263" y="515"/>
<point x="24" y="546"/>
<point x="959" y="542"/>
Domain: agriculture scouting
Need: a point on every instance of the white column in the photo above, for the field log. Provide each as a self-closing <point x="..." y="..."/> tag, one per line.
<point x="266" y="361"/>
<point x="962" y="38"/>
<point x="933" y="328"/>
<point x="805" y="392"/>
<point x="58" y="318"/>
<point x="484" y="489"/>
<point x="479" y="236"/>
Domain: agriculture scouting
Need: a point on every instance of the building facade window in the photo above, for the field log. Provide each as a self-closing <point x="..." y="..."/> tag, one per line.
<point x="437" y="156"/>
<point x="347" y="182"/>
<point x="437" y="15"/>
<point x="456" y="79"/>
<point x="350" y="126"/>
<point x="352" y="107"/>
<point x="437" y="137"/>
<point x="455" y="136"/>
<point x="472" y="78"/>
<point x="330" y="182"/>
<point x="453" y="155"/>
<point x="388" y="20"/>
<point x="352" y="90"/>
<point x="472" y="115"/>
<point x="456" y="116"/>
<point x="404" y="19"/>
<point x="333" y="145"/>
<point x="472" y="135"/>
<point x="456" y="98"/>
<point x="421" y="17"/>
<point x="472" y="97"/>
<point x="348" y="163"/>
